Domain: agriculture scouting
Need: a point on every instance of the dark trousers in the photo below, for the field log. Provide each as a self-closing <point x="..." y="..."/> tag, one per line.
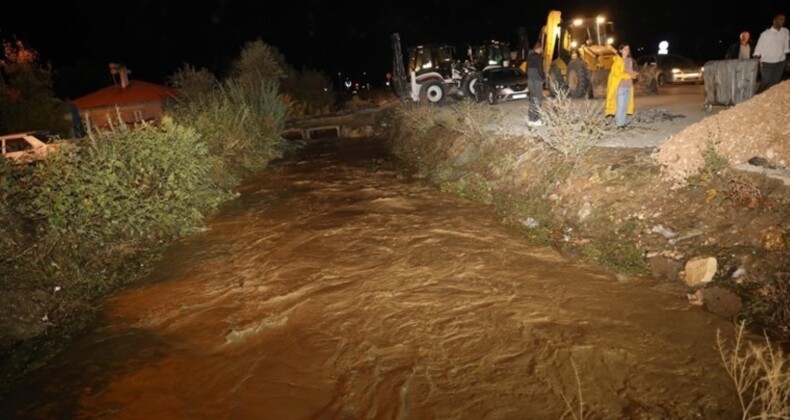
<point x="770" y="74"/>
<point x="535" y="98"/>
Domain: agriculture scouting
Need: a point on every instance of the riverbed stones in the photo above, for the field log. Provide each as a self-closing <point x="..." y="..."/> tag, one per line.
<point x="700" y="271"/>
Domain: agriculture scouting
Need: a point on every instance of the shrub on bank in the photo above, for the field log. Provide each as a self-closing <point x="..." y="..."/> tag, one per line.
<point x="240" y="125"/>
<point x="124" y="190"/>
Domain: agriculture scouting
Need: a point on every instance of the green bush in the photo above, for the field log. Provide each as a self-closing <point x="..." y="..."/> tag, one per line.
<point x="240" y="124"/>
<point x="309" y="92"/>
<point x="122" y="190"/>
<point x="193" y="83"/>
<point x="258" y="62"/>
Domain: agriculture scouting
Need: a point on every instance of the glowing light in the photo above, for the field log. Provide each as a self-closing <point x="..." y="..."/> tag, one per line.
<point x="427" y="65"/>
<point x="600" y="19"/>
<point x="675" y="71"/>
<point x="574" y="44"/>
<point x="577" y="22"/>
<point x="609" y="41"/>
<point x="663" y="47"/>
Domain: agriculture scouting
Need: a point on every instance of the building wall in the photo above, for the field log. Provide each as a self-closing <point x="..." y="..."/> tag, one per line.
<point x="130" y="113"/>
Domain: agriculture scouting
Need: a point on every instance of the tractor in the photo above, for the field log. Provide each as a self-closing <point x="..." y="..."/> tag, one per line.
<point x="579" y="54"/>
<point x="433" y="72"/>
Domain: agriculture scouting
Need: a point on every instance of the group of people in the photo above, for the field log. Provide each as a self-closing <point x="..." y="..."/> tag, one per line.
<point x="772" y="49"/>
<point x="619" y="90"/>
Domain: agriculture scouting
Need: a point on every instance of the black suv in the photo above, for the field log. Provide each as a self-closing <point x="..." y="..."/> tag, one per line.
<point x="502" y="84"/>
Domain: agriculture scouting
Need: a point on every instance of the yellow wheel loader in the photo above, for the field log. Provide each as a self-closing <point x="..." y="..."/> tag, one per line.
<point x="578" y="55"/>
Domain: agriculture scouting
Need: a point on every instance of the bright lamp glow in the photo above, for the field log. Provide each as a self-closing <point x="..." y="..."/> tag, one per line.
<point x="427" y="65"/>
<point x="574" y="44"/>
<point x="600" y="19"/>
<point x="577" y="22"/>
<point x="492" y="62"/>
<point x="663" y="47"/>
<point x="609" y="41"/>
<point x="675" y="71"/>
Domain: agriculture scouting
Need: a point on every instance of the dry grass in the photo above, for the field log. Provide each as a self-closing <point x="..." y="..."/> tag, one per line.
<point x="419" y="117"/>
<point x="573" y="127"/>
<point x="576" y="412"/>
<point x="761" y="376"/>
<point x="472" y="120"/>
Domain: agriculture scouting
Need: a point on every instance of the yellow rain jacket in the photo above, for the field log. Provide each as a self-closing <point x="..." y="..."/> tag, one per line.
<point x="615" y="76"/>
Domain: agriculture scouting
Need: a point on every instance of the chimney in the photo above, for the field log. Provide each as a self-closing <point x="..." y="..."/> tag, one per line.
<point x="124" y="77"/>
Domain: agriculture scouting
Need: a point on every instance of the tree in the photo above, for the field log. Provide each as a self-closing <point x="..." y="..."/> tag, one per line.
<point x="258" y="62"/>
<point x="27" y="101"/>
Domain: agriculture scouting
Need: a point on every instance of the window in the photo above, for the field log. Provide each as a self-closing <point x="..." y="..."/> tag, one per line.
<point x="17" y="145"/>
<point x="649" y="60"/>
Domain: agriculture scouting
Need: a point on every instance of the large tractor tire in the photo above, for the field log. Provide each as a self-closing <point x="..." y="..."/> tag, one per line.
<point x="599" y="81"/>
<point x="470" y="85"/>
<point x="648" y="82"/>
<point x="578" y="79"/>
<point x="556" y="81"/>
<point x="433" y="92"/>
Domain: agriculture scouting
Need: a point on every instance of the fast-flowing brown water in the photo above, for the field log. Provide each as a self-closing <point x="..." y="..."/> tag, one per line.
<point x="333" y="289"/>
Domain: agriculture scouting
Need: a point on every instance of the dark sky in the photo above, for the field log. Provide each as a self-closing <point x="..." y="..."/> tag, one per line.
<point x="155" y="37"/>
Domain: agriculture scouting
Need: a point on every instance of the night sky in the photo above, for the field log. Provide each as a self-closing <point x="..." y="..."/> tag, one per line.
<point x="155" y="37"/>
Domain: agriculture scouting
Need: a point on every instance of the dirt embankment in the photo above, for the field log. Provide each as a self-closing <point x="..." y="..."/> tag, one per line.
<point x="758" y="128"/>
<point x="619" y="209"/>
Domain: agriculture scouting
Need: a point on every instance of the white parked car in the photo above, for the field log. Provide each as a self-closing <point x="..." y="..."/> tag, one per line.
<point x="673" y="68"/>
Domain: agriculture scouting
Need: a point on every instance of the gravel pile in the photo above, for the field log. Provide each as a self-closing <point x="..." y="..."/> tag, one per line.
<point x="759" y="127"/>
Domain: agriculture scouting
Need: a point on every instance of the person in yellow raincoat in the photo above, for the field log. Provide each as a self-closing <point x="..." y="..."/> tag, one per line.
<point x="620" y="87"/>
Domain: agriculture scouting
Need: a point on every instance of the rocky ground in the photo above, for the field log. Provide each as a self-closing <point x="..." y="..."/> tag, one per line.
<point x="757" y="130"/>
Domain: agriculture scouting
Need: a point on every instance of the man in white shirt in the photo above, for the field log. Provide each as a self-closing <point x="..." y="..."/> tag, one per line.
<point x="772" y="48"/>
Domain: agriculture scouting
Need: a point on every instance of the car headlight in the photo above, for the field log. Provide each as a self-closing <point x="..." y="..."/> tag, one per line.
<point x="675" y="71"/>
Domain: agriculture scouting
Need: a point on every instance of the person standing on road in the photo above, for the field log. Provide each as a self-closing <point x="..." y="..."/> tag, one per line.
<point x="620" y="87"/>
<point x="772" y="48"/>
<point x="535" y="80"/>
<point x="741" y="50"/>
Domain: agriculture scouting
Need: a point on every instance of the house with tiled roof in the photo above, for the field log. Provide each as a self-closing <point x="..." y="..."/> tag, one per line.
<point x="135" y="100"/>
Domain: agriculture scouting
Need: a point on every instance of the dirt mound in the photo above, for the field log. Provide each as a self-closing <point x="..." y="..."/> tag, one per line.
<point x="758" y="127"/>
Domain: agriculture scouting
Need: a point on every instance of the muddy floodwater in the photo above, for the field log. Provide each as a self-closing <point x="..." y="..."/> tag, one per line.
<point x="335" y="288"/>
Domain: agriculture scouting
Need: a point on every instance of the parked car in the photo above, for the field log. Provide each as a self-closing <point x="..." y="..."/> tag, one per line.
<point x="27" y="147"/>
<point x="502" y="84"/>
<point x="673" y="68"/>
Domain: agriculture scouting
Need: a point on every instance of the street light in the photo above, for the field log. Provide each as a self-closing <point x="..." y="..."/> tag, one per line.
<point x="663" y="47"/>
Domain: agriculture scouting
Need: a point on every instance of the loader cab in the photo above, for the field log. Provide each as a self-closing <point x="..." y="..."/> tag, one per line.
<point x="425" y="59"/>
<point x="590" y="39"/>
<point x="489" y="55"/>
